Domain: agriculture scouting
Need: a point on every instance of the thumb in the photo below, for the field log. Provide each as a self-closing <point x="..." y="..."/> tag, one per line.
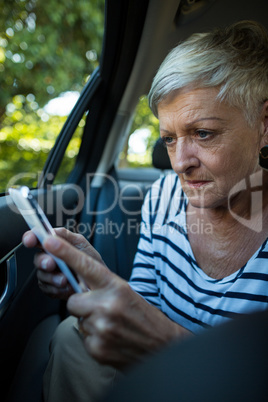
<point x="95" y="274"/>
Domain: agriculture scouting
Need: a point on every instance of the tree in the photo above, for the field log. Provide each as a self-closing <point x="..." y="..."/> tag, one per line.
<point x="26" y="137"/>
<point x="142" y="119"/>
<point x="47" y="47"/>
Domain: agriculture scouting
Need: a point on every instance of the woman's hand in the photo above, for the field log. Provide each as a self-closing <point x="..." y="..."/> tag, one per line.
<point x="50" y="279"/>
<point x="118" y="325"/>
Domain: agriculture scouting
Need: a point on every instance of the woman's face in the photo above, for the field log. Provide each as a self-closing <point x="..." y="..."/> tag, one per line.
<point x="210" y="145"/>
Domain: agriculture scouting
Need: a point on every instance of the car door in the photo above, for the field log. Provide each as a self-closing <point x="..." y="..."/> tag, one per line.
<point x="137" y="36"/>
<point x="27" y="317"/>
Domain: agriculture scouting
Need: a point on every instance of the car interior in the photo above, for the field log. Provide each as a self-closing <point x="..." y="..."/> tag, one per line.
<point x="97" y="194"/>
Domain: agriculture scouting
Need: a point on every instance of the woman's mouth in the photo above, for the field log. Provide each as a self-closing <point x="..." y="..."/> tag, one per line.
<point x="197" y="183"/>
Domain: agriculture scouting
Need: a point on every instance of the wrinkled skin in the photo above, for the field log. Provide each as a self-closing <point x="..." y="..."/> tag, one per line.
<point x="119" y="327"/>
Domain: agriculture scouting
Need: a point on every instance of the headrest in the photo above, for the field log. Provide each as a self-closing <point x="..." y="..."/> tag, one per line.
<point x="160" y="156"/>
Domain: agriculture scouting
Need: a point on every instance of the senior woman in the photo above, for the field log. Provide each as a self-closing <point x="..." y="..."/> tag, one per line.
<point x="202" y="254"/>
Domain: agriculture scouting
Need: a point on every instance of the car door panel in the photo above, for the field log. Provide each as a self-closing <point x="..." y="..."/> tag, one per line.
<point x="22" y="305"/>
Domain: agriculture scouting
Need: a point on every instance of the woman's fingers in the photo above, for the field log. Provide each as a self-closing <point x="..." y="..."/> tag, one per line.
<point x="95" y="274"/>
<point x="80" y="242"/>
<point x="55" y="279"/>
<point x="55" y="292"/>
<point x="77" y="240"/>
<point x="30" y="240"/>
<point x="44" y="262"/>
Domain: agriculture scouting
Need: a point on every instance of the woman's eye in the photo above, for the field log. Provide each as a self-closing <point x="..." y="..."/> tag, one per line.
<point x="203" y="134"/>
<point x="167" y="140"/>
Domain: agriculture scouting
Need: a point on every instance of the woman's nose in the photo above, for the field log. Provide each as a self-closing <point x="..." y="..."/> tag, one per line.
<point x="184" y="158"/>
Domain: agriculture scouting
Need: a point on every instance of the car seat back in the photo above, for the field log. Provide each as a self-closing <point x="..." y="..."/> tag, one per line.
<point x="116" y="220"/>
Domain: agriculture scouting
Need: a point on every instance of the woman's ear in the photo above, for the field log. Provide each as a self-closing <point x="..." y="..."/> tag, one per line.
<point x="264" y="140"/>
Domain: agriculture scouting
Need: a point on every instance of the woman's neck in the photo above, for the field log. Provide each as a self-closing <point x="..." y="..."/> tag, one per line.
<point x="230" y="234"/>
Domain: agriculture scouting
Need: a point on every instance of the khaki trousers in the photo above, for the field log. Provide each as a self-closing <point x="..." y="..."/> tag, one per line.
<point x="72" y="375"/>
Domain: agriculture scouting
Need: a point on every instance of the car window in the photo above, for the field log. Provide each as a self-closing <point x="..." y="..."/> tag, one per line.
<point x="137" y="150"/>
<point x="48" y="51"/>
<point x="68" y="161"/>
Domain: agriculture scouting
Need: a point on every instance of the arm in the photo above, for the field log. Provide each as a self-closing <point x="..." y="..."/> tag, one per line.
<point x="119" y="326"/>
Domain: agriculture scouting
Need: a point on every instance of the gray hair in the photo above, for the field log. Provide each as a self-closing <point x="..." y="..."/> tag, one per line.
<point x="235" y="59"/>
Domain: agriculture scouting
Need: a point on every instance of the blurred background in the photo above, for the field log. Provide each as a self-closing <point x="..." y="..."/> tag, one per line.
<point x="48" y="51"/>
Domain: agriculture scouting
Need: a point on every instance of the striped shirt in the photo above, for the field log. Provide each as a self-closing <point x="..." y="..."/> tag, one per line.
<point x="167" y="275"/>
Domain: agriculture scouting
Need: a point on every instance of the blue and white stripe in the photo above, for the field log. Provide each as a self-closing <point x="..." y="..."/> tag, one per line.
<point x="166" y="274"/>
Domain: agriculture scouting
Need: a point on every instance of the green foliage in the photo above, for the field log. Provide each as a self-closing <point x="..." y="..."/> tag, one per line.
<point x="47" y="47"/>
<point x="26" y="138"/>
<point x="143" y="119"/>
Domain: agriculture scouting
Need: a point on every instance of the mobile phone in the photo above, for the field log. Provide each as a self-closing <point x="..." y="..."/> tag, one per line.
<point x="38" y="222"/>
